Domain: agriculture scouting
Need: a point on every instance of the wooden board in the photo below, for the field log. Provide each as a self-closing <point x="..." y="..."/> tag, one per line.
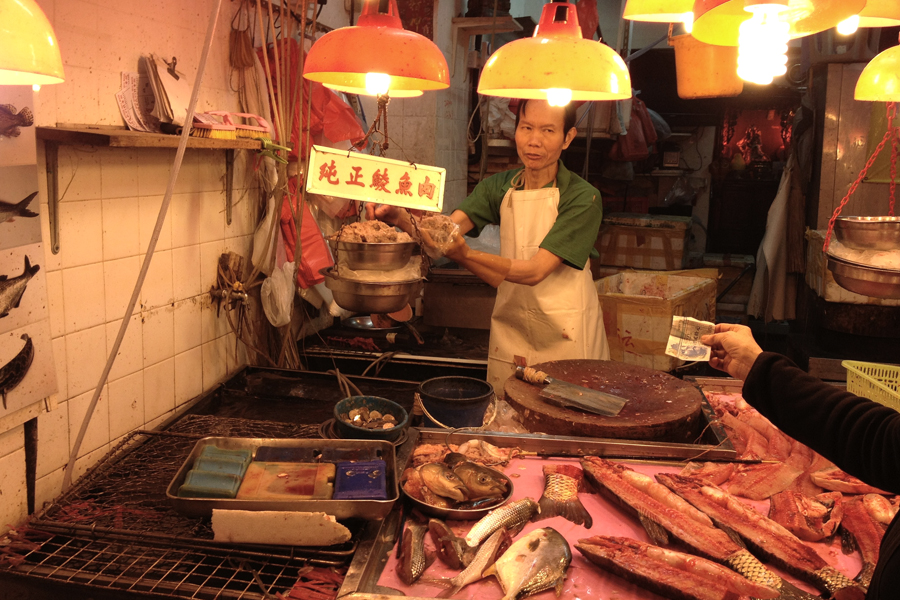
<point x="660" y="407"/>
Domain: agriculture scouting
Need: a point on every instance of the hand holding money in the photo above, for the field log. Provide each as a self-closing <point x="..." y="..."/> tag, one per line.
<point x="684" y="338"/>
<point x="733" y="349"/>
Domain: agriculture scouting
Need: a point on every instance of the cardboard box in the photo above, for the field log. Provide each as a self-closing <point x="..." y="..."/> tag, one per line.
<point x="655" y="242"/>
<point x="467" y="305"/>
<point x="820" y="279"/>
<point x="638" y="308"/>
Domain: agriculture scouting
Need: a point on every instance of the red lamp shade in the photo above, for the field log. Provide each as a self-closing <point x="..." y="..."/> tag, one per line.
<point x="717" y="21"/>
<point x="378" y="46"/>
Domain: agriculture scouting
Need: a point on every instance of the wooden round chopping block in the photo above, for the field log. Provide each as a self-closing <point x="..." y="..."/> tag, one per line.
<point x="660" y="407"/>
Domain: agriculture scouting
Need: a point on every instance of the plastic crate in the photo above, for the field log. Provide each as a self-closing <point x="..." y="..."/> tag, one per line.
<point x="874" y="381"/>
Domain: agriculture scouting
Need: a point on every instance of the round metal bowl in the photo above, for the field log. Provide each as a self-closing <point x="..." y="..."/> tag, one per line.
<point x="459" y="514"/>
<point x="368" y="296"/>
<point x="365" y="256"/>
<point x="868" y="233"/>
<point x="863" y="279"/>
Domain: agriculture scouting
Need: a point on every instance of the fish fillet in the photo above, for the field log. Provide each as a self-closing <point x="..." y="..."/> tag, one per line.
<point x="810" y="519"/>
<point x="761" y="481"/>
<point x="865" y="533"/>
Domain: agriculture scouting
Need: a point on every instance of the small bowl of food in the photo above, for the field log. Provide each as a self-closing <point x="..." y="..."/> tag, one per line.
<point x="456" y="488"/>
<point x="370" y="418"/>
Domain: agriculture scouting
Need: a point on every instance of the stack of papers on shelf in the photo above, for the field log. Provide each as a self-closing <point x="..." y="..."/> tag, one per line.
<point x="137" y="102"/>
<point x="171" y="89"/>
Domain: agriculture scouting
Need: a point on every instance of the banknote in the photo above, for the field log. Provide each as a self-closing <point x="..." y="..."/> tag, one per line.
<point x="684" y="338"/>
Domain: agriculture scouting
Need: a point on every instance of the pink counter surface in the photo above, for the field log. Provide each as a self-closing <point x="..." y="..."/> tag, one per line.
<point x="584" y="580"/>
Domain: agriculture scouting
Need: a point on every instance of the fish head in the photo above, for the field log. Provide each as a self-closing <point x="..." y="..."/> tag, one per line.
<point x="481" y="482"/>
<point x="442" y="481"/>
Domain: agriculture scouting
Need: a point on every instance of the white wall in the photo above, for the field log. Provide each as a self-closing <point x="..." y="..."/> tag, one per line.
<point x="175" y="347"/>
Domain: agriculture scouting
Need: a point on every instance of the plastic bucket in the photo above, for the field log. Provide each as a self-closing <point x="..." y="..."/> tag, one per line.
<point x="455" y="401"/>
<point x="705" y="71"/>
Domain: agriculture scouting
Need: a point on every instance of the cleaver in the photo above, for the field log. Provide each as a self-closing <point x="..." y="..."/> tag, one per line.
<point x="569" y="395"/>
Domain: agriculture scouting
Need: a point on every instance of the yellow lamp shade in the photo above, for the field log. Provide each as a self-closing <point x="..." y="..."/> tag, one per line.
<point x="557" y="59"/>
<point x="880" y="13"/>
<point x="657" y="11"/>
<point x="349" y="58"/>
<point x="718" y="21"/>
<point x="880" y="79"/>
<point x="29" y="53"/>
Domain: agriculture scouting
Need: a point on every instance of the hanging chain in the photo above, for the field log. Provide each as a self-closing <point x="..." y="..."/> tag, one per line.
<point x="426" y="259"/>
<point x="380" y="126"/>
<point x="894" y="146"/>
<point x="888" y="135"/>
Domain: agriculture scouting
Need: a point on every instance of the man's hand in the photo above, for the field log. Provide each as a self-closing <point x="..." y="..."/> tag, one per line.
<point x="393" y="215"/>
<point x="733" y="349"/>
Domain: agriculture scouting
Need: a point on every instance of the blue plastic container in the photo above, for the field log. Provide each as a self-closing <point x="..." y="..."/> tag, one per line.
<point x="455" y="401"/>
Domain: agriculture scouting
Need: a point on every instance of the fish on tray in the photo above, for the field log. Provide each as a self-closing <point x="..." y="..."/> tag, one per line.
<point x="414" y="558"/>
<point x="709" y="472"/>
<point x="535" y="562"/>
<point x="668" y="573"/>
<point x="762" y="480"/>
<point x="475" y="571"/>
<point x="859" y="530"/>
<point x="11" y="120"/>
<point x="836" y="480"/>
<point x="438" y="478"/>
<point x="810" y="519"/>
<point x="511" y="517"/>
<point x="11" y="290"/>
<point x="560" y="498"/>
<point x="10" y="211"/>
<point x="480" y="482"/>
<point x="766" y="537"/>
<point x="451" y="549"/>
<point x="664" y="514"/>
<point x="13" y="372"/>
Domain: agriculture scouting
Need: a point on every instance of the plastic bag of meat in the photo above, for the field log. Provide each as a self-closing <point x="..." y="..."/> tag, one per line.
<point x="442" y="231"/>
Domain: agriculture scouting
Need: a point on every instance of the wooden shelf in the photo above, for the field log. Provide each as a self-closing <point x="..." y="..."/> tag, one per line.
<point x="125" y="138"/>
<point x="114" y="137"/>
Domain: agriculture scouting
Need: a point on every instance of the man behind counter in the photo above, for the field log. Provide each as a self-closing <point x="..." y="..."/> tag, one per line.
<point x="547" y="306"/>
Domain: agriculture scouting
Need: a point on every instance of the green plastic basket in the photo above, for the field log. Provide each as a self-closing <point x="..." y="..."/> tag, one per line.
<point x="874" y="381"/>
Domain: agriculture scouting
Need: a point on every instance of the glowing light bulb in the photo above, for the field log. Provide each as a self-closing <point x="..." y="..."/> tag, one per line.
<point x="762" y="44"/>
<point x="378" y="84"/>
<point x="848" y="25"/>
<point x="558" y="96"/>
<point x="36" y="87"/>
<point x="688" y="20"/>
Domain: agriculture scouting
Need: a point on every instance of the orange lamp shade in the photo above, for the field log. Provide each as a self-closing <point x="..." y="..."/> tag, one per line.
<point x="344" y="59"/>
<point x="556" y="59"/>
<point x="29" y="52"/>
<point x="657" y="11"/>
<point x="718" y="21"/>
<point x="880" y="79"/>
<point x="880" y="13"/>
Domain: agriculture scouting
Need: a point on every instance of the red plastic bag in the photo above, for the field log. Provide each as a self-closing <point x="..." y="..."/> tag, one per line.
<point x="588" y="18"/>
<point x="314" y="252"/>
<point x="635" y="144"/>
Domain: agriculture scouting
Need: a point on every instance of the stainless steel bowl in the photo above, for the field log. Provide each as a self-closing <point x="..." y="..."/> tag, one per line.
<point x="364" y="256"/>
<point x="457" y="514"/>
<point x="865" y="280"/>
<point x="369" y="296"/>
<point x="868" y="233"/>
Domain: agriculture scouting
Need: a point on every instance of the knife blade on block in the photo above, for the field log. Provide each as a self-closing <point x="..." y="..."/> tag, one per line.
<point x="569" y="395"/>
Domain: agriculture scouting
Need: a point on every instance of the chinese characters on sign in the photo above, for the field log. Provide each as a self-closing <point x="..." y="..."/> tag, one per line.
<point x="370" y="178"/>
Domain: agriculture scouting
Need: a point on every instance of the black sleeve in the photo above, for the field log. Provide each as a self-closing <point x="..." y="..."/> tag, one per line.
<point x="860" y="436"/>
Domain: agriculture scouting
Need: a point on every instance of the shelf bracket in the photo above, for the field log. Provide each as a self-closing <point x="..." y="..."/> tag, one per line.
<point x="229" y="184"/>
<point x="51" y="154"/>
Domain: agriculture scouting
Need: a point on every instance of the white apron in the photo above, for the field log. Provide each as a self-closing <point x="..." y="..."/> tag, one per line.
<point x="559" y="318"/>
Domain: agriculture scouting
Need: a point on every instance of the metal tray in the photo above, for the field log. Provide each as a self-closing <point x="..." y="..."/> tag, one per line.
<point x="340" y="509"/>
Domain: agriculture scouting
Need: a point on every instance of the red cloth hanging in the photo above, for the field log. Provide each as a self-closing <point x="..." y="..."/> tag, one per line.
<point x="588" y="18"/>
<point x="635" y="144"/>
<point x="314" y="252"/>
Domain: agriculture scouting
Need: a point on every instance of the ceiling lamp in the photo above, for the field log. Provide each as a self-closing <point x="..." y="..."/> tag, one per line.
<point x="556" y="64"/>
<point x="763" y="42"/>
<point x="29" y="53"/>
<point x="377" y="57"/>
<point x="877" y="13"/>
<point x="880" y="79"/>
<point x="718" y="22"/>
<point x="661" y="11"/>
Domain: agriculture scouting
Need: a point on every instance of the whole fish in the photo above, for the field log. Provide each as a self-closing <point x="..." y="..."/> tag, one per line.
<point x="534" y="563"/>
<point x="481" y="482"/>
<point x="483" y="559"/>
<point x="11" y="120"/>
<point x="511" y="517"/>
<point x="668" y="573"/>
<point x="662" y="514"/>
<point x="13" y="372"/>
<point x="860" y="531"/>
<point x="442" y="481"/>
<point x="11" y="290"/>
<point x="452" y="549"/>
<point x="765" y="536"/>
<point x="10" y="211"/>
<point x="413" y="557"/>
<point x="560" y="498"/>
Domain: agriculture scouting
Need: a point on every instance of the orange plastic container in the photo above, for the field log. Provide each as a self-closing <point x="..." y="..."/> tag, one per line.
<point x="703" y="70"/>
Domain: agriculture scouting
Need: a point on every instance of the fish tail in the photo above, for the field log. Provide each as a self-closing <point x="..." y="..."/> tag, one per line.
<point x="571" y="510"/>
<point x="834" y="580"/>
<point x="29" y="270"/>
<point x="22" y="207"/>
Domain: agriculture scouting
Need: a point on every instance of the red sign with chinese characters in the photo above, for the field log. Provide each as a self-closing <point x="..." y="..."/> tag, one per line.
<point x="370" y="178"/>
